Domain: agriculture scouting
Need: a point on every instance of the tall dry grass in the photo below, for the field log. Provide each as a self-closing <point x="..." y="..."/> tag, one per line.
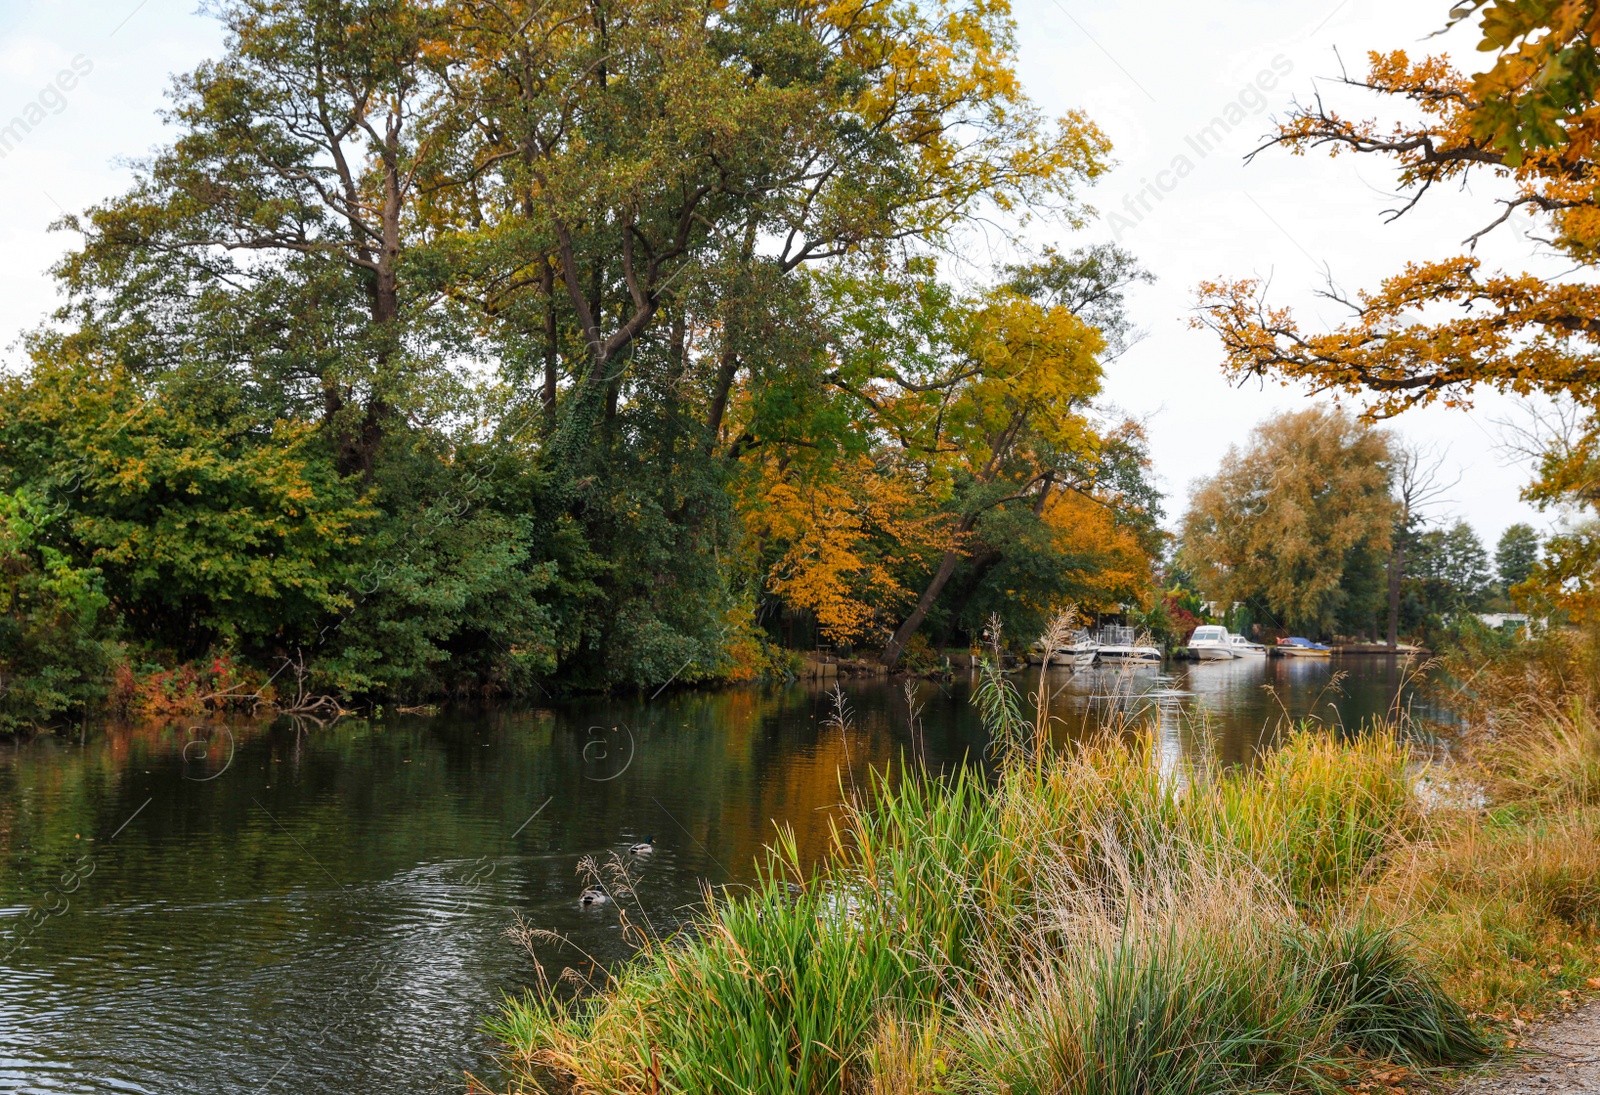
<point x="1501" y="885"/>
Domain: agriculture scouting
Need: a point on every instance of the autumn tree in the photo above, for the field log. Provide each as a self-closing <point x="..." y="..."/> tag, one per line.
<point x="840" y="541"/>
<point x="1290" y="522"/>
<point x="980" y="409"/>
<point x="629" y="165"/>
<point x="1442" y="328"/>
<point x="1018" y="428"/>
<point x="655" y="203"/>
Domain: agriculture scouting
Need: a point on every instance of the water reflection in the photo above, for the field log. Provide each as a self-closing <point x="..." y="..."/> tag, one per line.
<point x="278" y="911"/>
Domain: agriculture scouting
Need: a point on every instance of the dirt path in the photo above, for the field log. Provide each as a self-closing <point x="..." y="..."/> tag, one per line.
<point x="1565" y="1056"/>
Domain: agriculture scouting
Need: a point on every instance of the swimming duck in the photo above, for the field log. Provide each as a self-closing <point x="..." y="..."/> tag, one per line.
<point x="645" y="848"/>
<point x="593" y="897"/>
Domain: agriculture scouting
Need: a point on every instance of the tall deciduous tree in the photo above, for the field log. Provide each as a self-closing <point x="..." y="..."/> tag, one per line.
<point x="642" y="164"/>
<point x="1287" y="520"/>
<point x="271" y="241"/>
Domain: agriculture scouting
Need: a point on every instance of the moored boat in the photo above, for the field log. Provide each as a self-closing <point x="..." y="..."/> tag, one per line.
<point x="1296" y="647"/>
<point x="1210" y="643"/>
<point x="1120" y="644"/>
<point x="1244" y="648"/>
<point x="1079" y="650"/>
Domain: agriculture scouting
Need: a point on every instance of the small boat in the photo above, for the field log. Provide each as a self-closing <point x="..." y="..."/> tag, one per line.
<point x="1296" y="647"/>
<point x="1212" y="644"/>
<point x="1120" y="644"/>
<point x="1244" y="648"/>
<point x="1078" y="651"/>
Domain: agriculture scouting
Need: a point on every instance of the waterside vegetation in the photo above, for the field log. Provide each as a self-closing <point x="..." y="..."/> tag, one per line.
<point x="1093" y="922"/>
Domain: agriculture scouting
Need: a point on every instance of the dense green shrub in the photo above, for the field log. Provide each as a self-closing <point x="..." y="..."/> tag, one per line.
<point x="53" y="619"/>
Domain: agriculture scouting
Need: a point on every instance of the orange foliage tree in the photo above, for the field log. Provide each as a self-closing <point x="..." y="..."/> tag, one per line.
<point x="964" y="448"/>
<point x="842" y="542"/>
<point x="1438" y="330"/>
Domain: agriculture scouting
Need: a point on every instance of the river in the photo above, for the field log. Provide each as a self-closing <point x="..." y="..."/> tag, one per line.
<point x="244" y="908"/>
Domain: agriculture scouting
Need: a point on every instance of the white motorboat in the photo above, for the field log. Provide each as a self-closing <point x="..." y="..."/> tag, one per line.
<point x="1079" y="650"/>
<point x="1120" y="644"/>
<point x="1211" y="643"/>
<point x="1244" y="648"/>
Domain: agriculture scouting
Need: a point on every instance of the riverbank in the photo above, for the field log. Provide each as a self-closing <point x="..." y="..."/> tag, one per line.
<point x="1345" y="912"/>
<point x="1560" y="1055"/>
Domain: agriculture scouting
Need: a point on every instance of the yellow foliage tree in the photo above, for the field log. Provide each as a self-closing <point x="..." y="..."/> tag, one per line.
<point x="1107" y="564"/>
<point x="1280" y="521"/>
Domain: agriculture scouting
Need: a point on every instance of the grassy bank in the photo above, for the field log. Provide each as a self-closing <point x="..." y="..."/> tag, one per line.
<point x="1085" y="924"/>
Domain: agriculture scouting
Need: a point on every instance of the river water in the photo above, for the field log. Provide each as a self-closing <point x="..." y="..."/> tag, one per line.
<point x="243" y="908"/>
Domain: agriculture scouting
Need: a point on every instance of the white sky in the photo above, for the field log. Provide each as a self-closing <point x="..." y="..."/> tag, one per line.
<point x="1152" y="75"/>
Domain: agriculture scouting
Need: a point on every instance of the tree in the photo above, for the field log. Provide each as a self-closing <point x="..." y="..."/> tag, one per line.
<point x="1451" y="574"/>
<point x="1465" y="564"/>
<point x="1016" y="431"/>
<point x="1284" y="523"/>
<point x="272" y="239"/>
<point x="626" y="163"/>
<point x="201" y="527"/>
<point x="1416" y="486"/>
<point x="53" y="652"/>
<point x="1516" y="554"/>
<point x="1444" y="327"/>
<point x="840" y="542"/>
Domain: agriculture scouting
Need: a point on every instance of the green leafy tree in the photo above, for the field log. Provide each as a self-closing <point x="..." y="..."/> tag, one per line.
<point x="270" y="245"/>
<point x="205" y="527"/>
<point x="1465" y="565"/>
<point x="1516" y="554"/>
<point x="1450" y="575"/>
<point x="54" y="617"/>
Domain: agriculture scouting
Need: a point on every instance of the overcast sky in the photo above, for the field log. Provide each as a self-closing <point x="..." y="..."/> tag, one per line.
<point x="1154" y="75"/>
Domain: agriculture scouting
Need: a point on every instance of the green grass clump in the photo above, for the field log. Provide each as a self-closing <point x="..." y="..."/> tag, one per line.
<point x="1318" y="813"/>
<point x="762" y="996"/>
<point x="1387" y="1005"/>
<point x="1174" y="972"/>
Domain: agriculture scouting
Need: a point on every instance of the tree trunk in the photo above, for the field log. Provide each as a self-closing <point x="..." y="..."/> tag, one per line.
<point x="547" y="284"/>
<point x="361" y="445"/>
<point x="897" y="645"/>
<point x="727" y="369"/>
<point x="1397" y="558"/>
<point x="947" y="566"/>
